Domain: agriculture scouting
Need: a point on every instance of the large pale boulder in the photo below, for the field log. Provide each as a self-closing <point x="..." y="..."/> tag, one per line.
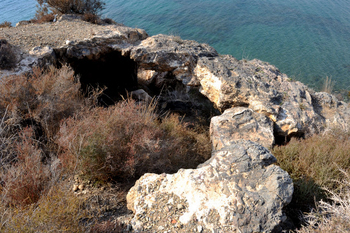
<point x="241" y="123"/>
<point x="238" y="190"/>
<point x="228" y="83"/>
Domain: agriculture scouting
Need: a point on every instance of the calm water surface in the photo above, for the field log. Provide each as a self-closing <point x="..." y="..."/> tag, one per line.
<point x="306" y="39"/>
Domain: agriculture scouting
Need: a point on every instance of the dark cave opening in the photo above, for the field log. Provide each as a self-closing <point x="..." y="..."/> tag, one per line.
<point x="111" y="70"/>
<point x="281" y="140"/>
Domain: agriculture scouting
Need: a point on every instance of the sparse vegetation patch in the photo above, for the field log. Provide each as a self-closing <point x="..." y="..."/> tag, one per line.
<point x="50" y="133"/>
<point x="5" y="24"/>
<point x="314" y="164"/>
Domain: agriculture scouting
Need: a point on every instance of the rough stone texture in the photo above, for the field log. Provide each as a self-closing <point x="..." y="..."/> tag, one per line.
<point x="119" y="38"/>
<point x="171" y="56"/>
<point x="141" y="95"/>
<point x="238" y="190"/>
<point x="228" y="83"/>
<point x="241" y="123"/>
<point x="44" y="55"/>
<point x="336" y="113"/>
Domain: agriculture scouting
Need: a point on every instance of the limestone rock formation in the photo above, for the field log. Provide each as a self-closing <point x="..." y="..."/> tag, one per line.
<point x="228" y="82"/>
<point x="241" y="123"/>
<point x="118" y="38"/>
<point x="161" y="60"/>
<point x="238" y="190"/>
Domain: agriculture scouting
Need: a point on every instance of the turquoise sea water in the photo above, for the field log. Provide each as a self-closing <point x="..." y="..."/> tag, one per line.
<point x="306" y="39"/>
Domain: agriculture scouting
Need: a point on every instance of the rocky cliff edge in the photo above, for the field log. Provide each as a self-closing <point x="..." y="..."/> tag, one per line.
<point x="239" y="189"/>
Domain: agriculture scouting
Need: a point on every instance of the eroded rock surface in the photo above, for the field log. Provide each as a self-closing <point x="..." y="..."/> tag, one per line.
<point x="336" y="113"/>
<point x="228" y="82"/>
<point x="238" y="190"/>
<point x="241" y="123"/>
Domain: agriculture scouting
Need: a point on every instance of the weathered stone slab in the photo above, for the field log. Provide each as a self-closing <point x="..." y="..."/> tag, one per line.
<point x="241" y="123"/>
<point x="238" y="190"/>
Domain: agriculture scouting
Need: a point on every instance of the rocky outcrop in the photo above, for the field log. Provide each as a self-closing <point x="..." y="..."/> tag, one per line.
<point x="228" y="82"/>
<point x="238" y="190"/>
<point x="161" y="60"/>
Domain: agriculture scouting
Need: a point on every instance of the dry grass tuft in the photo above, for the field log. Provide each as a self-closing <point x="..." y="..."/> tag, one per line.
<point x="57" y="211"/>
<point x="42" y="99"/>
<point x="316" y="157"/>
<point x="314" y="163"/>
<point x="331" y="216"/>
<point x="7" y="139"/>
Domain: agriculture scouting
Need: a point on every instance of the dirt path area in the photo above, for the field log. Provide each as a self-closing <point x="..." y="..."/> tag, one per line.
<point x="51" y="34"/>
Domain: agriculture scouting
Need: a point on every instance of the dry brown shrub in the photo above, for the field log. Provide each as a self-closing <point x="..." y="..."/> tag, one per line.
<point x="108" y="21"/>
<point x="92" y="18"/>
<point x="43" y="15"/>
<point x="7" y="141"/>
<point x="44" y="98"/>
<point x="72" y="6"/>
<point x="127" y="140"/>
<point x="27" y="178"/>
<point x="45" y="18"/>
<point x="5" y="24"/>
<point x="8" y="57"/>
<point x="103" y="143"/>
